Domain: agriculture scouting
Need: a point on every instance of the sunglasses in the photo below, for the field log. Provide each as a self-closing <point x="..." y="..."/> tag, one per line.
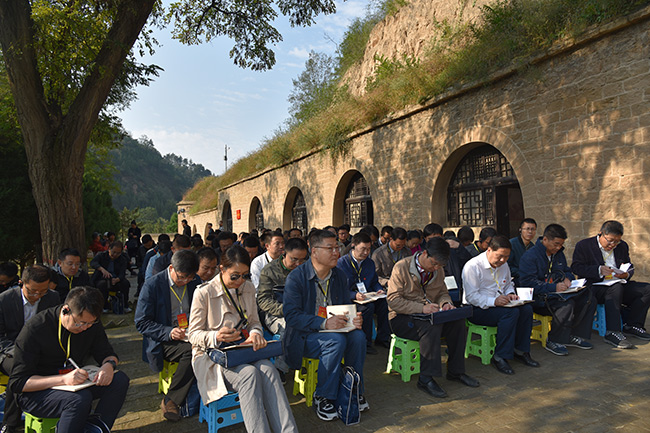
<point x="235" y="277"/>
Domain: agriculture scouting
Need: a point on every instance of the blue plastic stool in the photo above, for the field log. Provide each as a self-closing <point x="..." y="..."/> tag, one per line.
<point x="221" y="413"/>
<point x="600" y="322"/>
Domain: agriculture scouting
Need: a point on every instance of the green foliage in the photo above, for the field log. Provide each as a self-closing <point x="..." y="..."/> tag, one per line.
<point x="314" y="89"/>
<point x="172" y="226"/>
<point x="99" y="214"/>
<point x="147" y="219"/>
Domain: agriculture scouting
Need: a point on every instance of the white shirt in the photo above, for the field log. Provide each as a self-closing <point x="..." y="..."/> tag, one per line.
<point x="28" y="309"/>
<point x="256" y="267"/>
<point x="482" y="283"/>
<point x="608" y="256"/>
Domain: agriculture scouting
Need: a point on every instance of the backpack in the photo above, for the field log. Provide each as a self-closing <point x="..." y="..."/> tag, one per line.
<point x="347" y="399"/>
<point x="117" y="302"/>
<point x="94" y="424"/>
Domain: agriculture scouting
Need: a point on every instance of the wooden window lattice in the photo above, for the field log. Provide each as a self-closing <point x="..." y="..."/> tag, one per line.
<point x="299" y="213"/>
<point x="358" y="203"/>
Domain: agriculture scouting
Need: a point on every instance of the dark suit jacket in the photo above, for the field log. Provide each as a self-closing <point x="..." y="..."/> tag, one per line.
<point x="11" y="314"/>
<point x="299" y="304"/>
<point x="153" y="317"/>
<point x="63" y="285"/>
<point x="162" y="263"/>
<point x="587" y="258"/>
<point x="102" y="260"/>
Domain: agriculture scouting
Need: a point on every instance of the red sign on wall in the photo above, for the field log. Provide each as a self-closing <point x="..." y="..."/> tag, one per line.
<point x="238" y="214"/>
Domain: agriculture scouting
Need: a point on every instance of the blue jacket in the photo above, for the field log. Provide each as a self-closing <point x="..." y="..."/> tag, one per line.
<point x="153" y="317"/>
<point x="518" y="250"/>
<point x="299" y="305"/>
<point x="534" y="269"/>
<point x="368" y="274"/>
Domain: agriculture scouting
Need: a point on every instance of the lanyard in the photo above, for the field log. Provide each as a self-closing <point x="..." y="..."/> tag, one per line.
<point x="67" y="352"/>
<point x="476" y="248"/>
<point x="240" y="310"/>
<point x="69" y="281"/>
<point x="358" y="271"/>
<point x="606" y="257"/>
<point x="180" y="300"/>
<point x="327" y="289"/>
<point x="494" y="275"/>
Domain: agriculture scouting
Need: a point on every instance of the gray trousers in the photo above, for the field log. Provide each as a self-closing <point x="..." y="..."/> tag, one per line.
<point x="277" y="325"/>
<point x="261" y="392"/>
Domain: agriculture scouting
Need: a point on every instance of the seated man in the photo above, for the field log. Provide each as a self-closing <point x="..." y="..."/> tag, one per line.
<point x="17" y="306"/>
<point x="596" y="259"/>
<point x="272" y="279"/>
<point x="309" y="289"/>
<point x="110" y="272"/>
<point x="181" y="242"/>
<point x="69" y="273"/>
<point x="488" y="288"/>
<point x="252" y="245"/>
<point x="164" y="246"/>
<point x="521" y="244"/>
<point x="385" y="237"/>
<point x="49" y="350"/>
<point x="207" y="264"/>
<point x="274" y="249"/>
<point x="344" y="234"/>
<point x="544" y="268"/>
<point x="484" y="237"/>
<point x="390" y="253"/>
<point x="362" y="278"/>
<point x="162" y="316"/>
<point x="417" y="286"/>
<point x="8" y="275"/>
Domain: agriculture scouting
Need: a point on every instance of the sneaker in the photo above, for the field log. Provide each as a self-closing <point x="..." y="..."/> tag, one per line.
<point x="556" y="348"/>
<point x="325" y="408"/>
<point x="618" y="340"/>
<point x="575" y="341"/>
<point x="127" y="310"/>
<point x="363" y="404"/>
<point x="636" y="331"/>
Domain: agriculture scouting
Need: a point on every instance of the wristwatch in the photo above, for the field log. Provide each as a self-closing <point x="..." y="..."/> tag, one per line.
<point x="113" y="363"/>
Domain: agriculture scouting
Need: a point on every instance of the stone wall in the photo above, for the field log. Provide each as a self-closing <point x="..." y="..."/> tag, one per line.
<point x="576" y="131"/>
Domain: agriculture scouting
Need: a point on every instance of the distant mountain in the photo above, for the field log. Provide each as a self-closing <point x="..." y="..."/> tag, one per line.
<point x="148" y="179"/>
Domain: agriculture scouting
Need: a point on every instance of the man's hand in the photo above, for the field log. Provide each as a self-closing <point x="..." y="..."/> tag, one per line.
<point x="228" y="335"/>
<point x="623" y="276"/>
<point x="114" y="281"/>
<point x="605" y="270"/>
<point x="75" y="377"/>
<point x="360" y="296"/>
<point x="336" y="322"/>
<point x="447" y="306"/>
<point x="501" y="300"/>
<point x="105" y="273"/>
<point x="358" y="321"/>
<point x="105" y="375"/>
<point x="430" y="308"/>
<point x="177" y="334"/>
<point x="563" y="286"/>
<point x="381" y="292"/>
<point x="258" y="341"/>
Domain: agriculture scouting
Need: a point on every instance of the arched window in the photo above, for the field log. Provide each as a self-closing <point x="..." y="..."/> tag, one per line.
<point x="484" y="191"/>
<point x="357" y="209"/>
<point x="226" y="216"/>
<point x="299" y="213"/>
<point x="259" y="216"/>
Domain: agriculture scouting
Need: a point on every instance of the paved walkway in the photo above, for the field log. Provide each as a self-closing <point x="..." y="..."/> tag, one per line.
<point x="601" y="390"/>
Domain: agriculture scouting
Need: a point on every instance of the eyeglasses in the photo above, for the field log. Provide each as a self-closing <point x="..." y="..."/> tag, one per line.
<point x="81" y="324"/>
<point x="235" y="277"/>
<point x="72" y="264"/>
<point x="529" y="229"/>
<point x="36" y="292"/>
<point x="611" y="242"/>
<point x="332" y="250"/>
<point x="297" y="260"/>
<point x="183" y="278"/>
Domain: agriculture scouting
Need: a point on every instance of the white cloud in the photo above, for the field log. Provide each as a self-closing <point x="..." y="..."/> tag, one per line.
<point x="301" y="53"/>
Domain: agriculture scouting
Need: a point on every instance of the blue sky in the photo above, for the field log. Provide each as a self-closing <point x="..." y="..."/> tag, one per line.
<point x="202" y="101"/>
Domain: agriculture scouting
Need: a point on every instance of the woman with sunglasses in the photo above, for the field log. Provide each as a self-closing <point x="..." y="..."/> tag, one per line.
<point x="224" y="311"/>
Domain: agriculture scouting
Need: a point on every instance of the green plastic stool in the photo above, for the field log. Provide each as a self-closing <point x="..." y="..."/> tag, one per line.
<point x="35" y="424"/>
<point x="403" y="357"/>
<point x="165" y="376"/>
<point x="484" y="346"/>
<point x="305" y="379"/>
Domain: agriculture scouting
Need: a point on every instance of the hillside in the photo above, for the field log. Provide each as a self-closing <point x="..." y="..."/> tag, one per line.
<point x="148" y="179"/>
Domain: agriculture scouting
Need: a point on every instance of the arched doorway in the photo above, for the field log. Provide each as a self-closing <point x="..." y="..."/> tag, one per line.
<point x="484" y="191"/>
<point x="226" y="216"/>
<point x="353" y="207"/>
<point x="256" y="215"/>
<point x="295" y="211"/>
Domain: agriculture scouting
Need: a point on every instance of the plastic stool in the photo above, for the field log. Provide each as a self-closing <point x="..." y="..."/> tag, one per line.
<point x="34" y="424"/>
<point x="540" y="332"/>
<point x="600" y="321"/>
<point x="305" y="379"/>
<point x="484" y="346"/>
<point x="165" y="376"/>
<point x="4" y="379"/>
<point x="403" y="357"/>
<point x="221" y="413"/>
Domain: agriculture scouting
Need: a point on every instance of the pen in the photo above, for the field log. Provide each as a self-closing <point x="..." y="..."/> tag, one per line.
<point x="74" y="364"/>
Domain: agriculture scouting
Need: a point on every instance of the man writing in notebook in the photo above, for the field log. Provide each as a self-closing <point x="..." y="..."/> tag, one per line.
<point x="49" y="350"/>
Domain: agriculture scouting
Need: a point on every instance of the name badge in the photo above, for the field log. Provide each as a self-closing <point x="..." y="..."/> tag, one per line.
<point x="182" y="320"/>
<point x="65" y="370"/>
<point x="608" y="277"/>
<point x="322" y="312"/>
<point x="361" y="287"/>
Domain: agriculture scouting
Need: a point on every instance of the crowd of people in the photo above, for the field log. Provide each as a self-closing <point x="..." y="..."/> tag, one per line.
<point x="196" y="295"/>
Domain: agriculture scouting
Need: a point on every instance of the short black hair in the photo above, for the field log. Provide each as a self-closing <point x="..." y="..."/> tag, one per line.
<point x="485" y="233"/>
<point x="224" y="236"/>
<point x="317" y="237"/>
<point x="182" y="241"/>
<point x="449" y="234"/>
<point x="185" y="261"/>
<point x="345" y="227"/>
<point x="296" y="244"/>
<point x="85" y="298"/>
<point x="235" y="255"/>
<point x="206" y="253"/>
<point x="69" y="252"/>
<point x="465" y="234"/>
<point x="9" y="269"/>
<point x="398" y="233"/>
<point x="438" y="249"/>
<point x="116" y="244"/>
<point x="527" y="221"/>
<point x="432" y="229"/>
<point x="36" y="273"/>
<point x="499" y="241"/>
<point x="612" y="227"/>
<point x="413" y="234"/>
<point x="371" y="230"/>
<point x="361" y="238"/>
<point x="163" y="237"/>
<point x="146" y="238"/>
<point x="387" y="229"/>
<point x="295" y="229"/>
<point x="197" y="242"/>
<point x="553" y="231"/>
<point x="164" y="246"/>
<point x="251" y="242"/>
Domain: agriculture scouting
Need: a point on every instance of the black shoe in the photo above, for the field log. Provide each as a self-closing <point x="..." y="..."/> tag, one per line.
<point x="363" y="404"/>
<point x="385" y="344"/>
<point x="370" y="350"/>
<point x="526" y="359"/>
<point x="502" y="365"/>
<point x="325" y="408"/>
<point x="636" y="331"/>
<point x="432" y="388"/>
<point x="464" y="379"/>
<point x="283" y="376"/>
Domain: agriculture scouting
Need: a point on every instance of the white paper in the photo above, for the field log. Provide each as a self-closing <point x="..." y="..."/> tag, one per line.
<point x="517" y="302"/>
<point x="624" y="268"/>
<point x="610" y="282"/>
<point x="371" y="297"/>
<point x="92" y="373"/>
<point x="349" y="310"/>
<point x="525" y="293"/>
<point x="450" y="282"/>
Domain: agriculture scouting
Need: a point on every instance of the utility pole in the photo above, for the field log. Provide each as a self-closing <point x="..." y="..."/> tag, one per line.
<point x="225" y="157"/>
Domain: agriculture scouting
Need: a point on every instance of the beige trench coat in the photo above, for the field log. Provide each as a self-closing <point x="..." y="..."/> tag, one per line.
<point x="211" y="308"/>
